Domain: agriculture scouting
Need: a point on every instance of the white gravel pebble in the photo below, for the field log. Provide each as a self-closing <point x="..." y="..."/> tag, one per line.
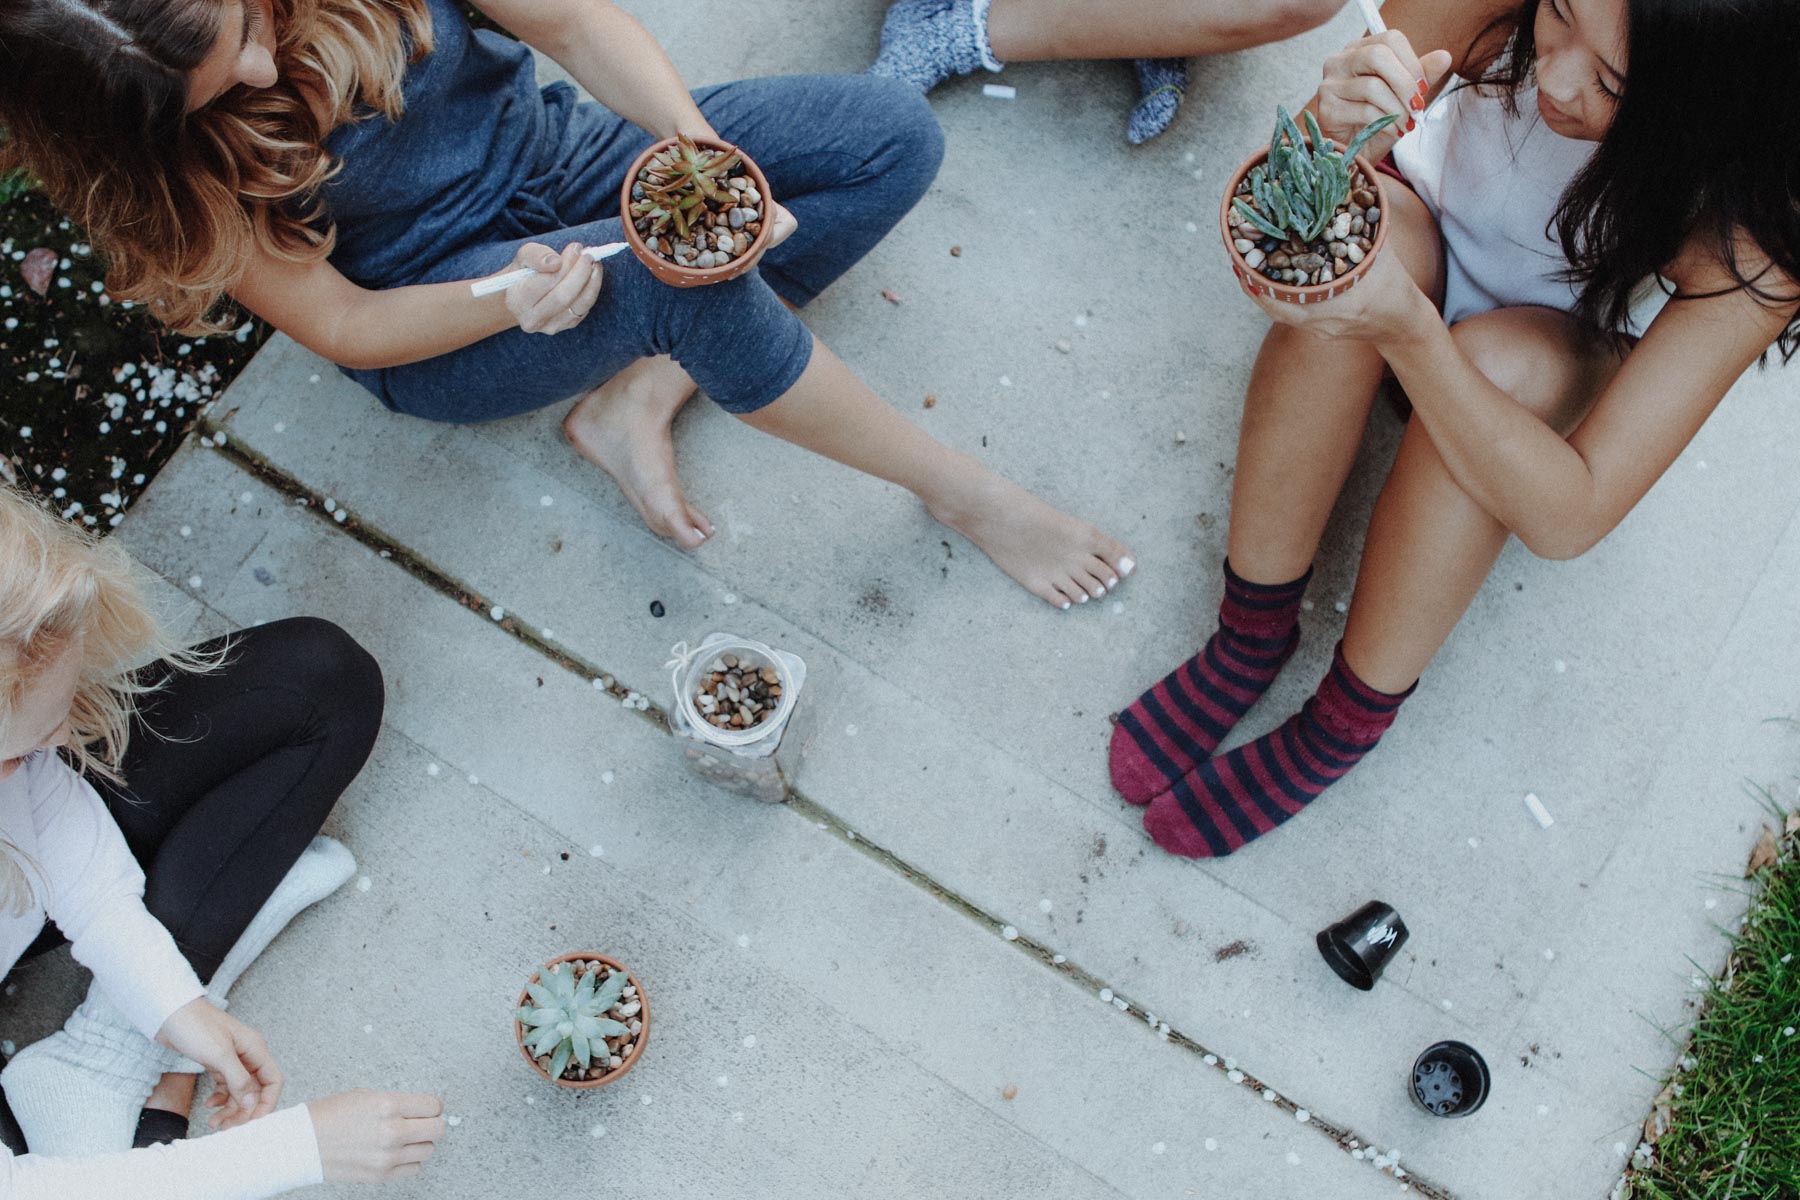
<point x="595" y="850"/>
<point x="729" y="597"/>
<point x="1293" y="1159"/>
<point x="1543" y="1110"/>
<point x="646" y="1101"/>
<point x="743" y="939"/>
<point x="497" y="612"/>
<point x="750" y="1042"/>
<point x="363" y="884"/>
<point x="368" y="1029"/>
<point x="1340" y="606"/>
<point x="1120" y="1003"/>
<point x="453" y="1122"/>
<point x="187" y="531"/>
<point x="194" y="581"/>
<point x="1538" y="811"/>
<point x="850" y="729"/>
<point x="246" y="498"/>
<point x="1059" y="959"/>
<point x="546" y="501"/>
<point x="1045" y="906"/>
<point x="432" y="769"/>
<point x="738" y="1117"/>
<point x="1192" y="228"/>
<point x="1561" y="666"/>
<point x="1235" y="1076"/>
<point x="606" y="777"/>
<point x="1302" y="1116"/>
<point x="1446" y="1006"/>
<point x="1549" y="956"/>
<point x="597" y="1131"/>
<point x="1106" y="995"/>
<point x="723" y="1080"/>
<point x="1269" y="1095"/>
<point x="1211" y="1144"/>
<point x="1158" y="1148"/>
<point x="1118" y="606"/>
<point x="281" y="427"/>
<point x="1712" y="903"/>
<point x="1619" y="1149"/>
<point x="1211" y="1060"/>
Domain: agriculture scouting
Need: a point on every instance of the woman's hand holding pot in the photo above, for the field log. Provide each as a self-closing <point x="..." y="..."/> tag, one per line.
<point x="371" y="1137"/>
<point x="783" y="224"/>
<point x="1371" y="78"/>
<point x="559" y="296"/>
<point x="1385" y="305"/>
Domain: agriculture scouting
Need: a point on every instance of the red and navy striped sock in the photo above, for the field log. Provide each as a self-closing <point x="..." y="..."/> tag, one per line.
<point x="1237" y="797"/>
<point x="1179" y="723"/>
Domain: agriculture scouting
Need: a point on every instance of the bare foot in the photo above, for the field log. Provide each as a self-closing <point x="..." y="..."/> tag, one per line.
<point x="1058" y="558"/>
<point x="622" y="427"/>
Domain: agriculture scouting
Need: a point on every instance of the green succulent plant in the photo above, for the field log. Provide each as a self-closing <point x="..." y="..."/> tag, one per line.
<point x="567" y="1019"/>
<point x="1297" y="192"/>
<point x="681" y="179"/>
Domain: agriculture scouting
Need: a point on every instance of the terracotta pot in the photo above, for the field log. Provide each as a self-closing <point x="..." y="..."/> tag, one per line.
<point x="667" y="270"/>
<point x="1293" y="293"/>
<point x="637" y="1049"/>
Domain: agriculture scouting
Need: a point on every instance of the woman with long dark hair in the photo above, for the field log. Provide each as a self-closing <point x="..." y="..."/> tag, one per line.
<point x="1595" y="230"/>
<point x="343" y="168"/>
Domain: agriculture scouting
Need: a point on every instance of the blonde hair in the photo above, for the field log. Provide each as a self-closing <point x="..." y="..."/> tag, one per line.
<point x="177" y="201"/>
<point x="59" y="583"/>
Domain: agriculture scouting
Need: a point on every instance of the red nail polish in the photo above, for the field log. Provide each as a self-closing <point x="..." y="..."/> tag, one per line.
<point x="1424" y="88"/>
<point x="1418" y="103"/>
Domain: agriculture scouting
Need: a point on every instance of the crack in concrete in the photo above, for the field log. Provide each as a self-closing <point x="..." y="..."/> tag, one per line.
<point x="445" y="584"/>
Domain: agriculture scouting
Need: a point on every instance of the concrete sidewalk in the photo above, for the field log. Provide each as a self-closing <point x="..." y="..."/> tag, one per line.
<point x="956" y="788"/>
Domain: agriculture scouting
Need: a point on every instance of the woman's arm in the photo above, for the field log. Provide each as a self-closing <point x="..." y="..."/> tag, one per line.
<point x="1560" y="497"/>
<point x="265" y="1158"/>
<point x="611" y="55"/>
<point x="369" y="329"/>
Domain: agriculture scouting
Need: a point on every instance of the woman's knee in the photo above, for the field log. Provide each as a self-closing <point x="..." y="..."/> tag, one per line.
<point x="1526" y="356"/>
<point x="911" y="140"/>
<point x="326" y="664"/>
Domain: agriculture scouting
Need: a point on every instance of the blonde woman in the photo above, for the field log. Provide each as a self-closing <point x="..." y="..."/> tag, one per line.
<point x="343" y="168"/>
<point x="165" y="818"/>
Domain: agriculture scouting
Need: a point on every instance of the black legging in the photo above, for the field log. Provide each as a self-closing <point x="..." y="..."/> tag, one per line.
<point x="230" y="774"/>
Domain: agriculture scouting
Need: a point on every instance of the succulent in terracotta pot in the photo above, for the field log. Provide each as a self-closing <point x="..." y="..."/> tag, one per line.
<point x="695" y="211"/>
<point x="582" y="1021"/>
<point x="1303" y="218"/>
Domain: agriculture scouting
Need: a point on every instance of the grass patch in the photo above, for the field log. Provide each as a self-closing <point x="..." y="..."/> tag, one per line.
<point x="1730" y="1116"/>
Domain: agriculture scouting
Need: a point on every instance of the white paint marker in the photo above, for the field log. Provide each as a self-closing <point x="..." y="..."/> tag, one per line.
<point x="1544" y="819"/>
<point x="1371" y="12"/>
<point x="499" y="283"/>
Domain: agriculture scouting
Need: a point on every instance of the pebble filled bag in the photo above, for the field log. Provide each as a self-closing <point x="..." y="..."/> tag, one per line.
<point x="740" y="760"/>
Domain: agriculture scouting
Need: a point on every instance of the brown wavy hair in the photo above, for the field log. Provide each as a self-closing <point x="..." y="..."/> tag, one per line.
<point x="93" y="95"/>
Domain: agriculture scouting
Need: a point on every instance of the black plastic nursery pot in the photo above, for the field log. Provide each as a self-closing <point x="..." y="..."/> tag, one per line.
<point x="1450" y="1079"/>
<point x="1360" y="946"/>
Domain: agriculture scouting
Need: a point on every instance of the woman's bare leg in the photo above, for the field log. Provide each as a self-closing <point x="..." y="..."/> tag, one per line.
<point x="1030" y="30"/>
<point x="622" y="427"/>
<point x="174" y="1093"/>
<point x="1308" y="402"/>
<point x="1056" y="557"/>
<point x="1429" y="545"/>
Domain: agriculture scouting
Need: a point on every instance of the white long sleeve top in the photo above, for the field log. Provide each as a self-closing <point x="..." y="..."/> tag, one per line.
<point x="84" y="877"/>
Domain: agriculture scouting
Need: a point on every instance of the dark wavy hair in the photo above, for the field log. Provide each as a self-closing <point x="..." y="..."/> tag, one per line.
<point x="1705" y="140"/>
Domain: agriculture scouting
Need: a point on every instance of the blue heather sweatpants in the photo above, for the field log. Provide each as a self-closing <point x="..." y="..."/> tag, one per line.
<point x="848" y="155"/>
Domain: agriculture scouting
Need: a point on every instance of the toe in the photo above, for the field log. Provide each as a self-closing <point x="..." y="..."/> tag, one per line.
<point x="1095" y="584"/>
<point x="1169" y="828"/>
<point x="1048" y="593"/>
<point x="699" y="522"/>
<point x="1104" y="572"/>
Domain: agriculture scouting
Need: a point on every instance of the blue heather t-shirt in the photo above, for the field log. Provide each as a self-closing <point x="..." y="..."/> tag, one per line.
<point x="459" y="166"/>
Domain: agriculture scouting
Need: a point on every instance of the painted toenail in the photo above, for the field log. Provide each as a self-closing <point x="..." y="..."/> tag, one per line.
<point x="1127" y="565"/>
<point x="1065" y="604"/>
<point x="1081" y="599"/>
<point x="1113" y="582"/>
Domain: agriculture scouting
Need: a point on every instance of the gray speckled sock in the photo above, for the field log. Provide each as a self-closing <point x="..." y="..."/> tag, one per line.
<point x="924" y="42"/>
<point x="1162" y="82"/>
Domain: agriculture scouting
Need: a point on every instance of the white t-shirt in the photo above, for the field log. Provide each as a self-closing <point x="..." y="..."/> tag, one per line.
<point x="84" y="877"/>
<point x="1492" y="181"/>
